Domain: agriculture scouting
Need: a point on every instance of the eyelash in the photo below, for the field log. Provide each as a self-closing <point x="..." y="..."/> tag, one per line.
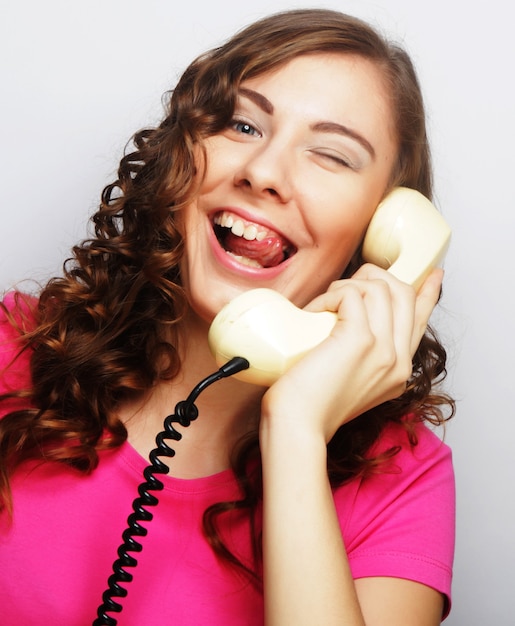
<point x="238" y="125"/>
<point x="337" y="160"/>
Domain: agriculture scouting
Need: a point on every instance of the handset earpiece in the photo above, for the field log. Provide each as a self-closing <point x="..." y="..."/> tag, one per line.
<point x="406" y="236"/>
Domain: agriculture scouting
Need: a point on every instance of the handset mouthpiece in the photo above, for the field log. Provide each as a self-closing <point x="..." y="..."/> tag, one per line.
<point x="266" y="329"/>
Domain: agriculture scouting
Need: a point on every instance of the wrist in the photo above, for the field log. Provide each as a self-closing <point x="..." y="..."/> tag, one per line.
<point x="285" y="437"/>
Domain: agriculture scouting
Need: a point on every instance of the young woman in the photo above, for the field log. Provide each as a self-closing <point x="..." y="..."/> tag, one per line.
<point x="324" y="499"/>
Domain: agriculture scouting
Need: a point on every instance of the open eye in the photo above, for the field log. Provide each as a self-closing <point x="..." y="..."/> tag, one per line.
<point x="243" y="127"/>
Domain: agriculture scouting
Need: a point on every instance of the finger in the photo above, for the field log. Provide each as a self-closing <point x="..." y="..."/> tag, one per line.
<point x="390" y="305"/>
<point x="334" y="297"/>
<point x="411" y="310"/>
<point x="347" y="301"/>
<point x="365" y="307"/>
<point x="427" y="298"/>
<point x="331" y="299"/>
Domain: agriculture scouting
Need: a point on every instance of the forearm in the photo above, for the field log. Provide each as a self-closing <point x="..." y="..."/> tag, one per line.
<point x="307" y="579"/>
<point x="365" y="362"/>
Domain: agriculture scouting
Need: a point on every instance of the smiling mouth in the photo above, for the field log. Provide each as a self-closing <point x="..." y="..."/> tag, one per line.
<point x="250" y="243"/>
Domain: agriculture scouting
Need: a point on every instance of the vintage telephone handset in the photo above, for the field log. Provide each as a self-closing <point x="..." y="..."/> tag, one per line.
<point x="260" y="334"/>
<point x="407" y="236"/>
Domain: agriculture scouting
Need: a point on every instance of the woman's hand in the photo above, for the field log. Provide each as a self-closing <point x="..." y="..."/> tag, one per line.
<point x="367" y="359"/>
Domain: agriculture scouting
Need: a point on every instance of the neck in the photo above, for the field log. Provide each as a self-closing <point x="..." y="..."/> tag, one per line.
<point x="227" y="410"/>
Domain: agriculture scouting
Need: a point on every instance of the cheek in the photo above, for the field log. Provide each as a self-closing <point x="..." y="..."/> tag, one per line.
<point x="341" y="254"/>
<point x="341" y="232"/>
<point x="219" y="163"/>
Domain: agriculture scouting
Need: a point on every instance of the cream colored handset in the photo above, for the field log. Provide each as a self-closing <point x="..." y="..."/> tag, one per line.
<point x="407" y="236"/>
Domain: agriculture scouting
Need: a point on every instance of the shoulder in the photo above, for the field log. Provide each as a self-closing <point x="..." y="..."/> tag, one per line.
<point x="429" y="449"/>
<point x="17" y="317"/>
<point x="413" y="472"/>
<point x="421" y="473"/>
<point x="17" y="312"/>
<point x="400" y="520"/>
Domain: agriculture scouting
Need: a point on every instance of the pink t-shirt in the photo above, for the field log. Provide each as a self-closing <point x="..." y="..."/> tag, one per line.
<point x="57" y="552"/>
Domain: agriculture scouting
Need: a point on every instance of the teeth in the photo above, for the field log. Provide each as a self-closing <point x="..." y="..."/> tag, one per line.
<point x="238" y="228"/>
<point x="245" y="260"/>
<point x="250" y="233"/>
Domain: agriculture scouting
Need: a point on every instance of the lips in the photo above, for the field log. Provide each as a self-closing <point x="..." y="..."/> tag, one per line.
<point x="251" y="243"/>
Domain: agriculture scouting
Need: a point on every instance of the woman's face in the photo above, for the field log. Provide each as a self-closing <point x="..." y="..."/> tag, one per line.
<point x="291" y="184"/>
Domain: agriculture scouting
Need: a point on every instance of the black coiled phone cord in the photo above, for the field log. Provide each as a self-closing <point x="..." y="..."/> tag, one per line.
<point x="185" y="413"/>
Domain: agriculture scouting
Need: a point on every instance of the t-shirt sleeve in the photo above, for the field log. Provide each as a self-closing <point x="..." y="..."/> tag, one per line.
<point x="401" y="522"/>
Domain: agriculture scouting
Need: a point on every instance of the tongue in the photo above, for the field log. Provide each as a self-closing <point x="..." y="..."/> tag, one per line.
<point x="268" y="252"/>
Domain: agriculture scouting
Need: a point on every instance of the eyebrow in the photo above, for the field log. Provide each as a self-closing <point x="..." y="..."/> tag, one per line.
<point x="340" y="129"/>
<point x="259" y="99"/>
<point x="322" y="127"/>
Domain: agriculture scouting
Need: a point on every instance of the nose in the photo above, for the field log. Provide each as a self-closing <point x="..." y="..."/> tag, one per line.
<point x="266" y="172"/>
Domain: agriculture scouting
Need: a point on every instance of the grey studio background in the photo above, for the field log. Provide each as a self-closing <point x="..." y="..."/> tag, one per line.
<point x="78" y="78"/>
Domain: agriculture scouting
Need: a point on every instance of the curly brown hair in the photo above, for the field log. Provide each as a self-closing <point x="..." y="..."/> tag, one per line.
<point x="98" y="335"/>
